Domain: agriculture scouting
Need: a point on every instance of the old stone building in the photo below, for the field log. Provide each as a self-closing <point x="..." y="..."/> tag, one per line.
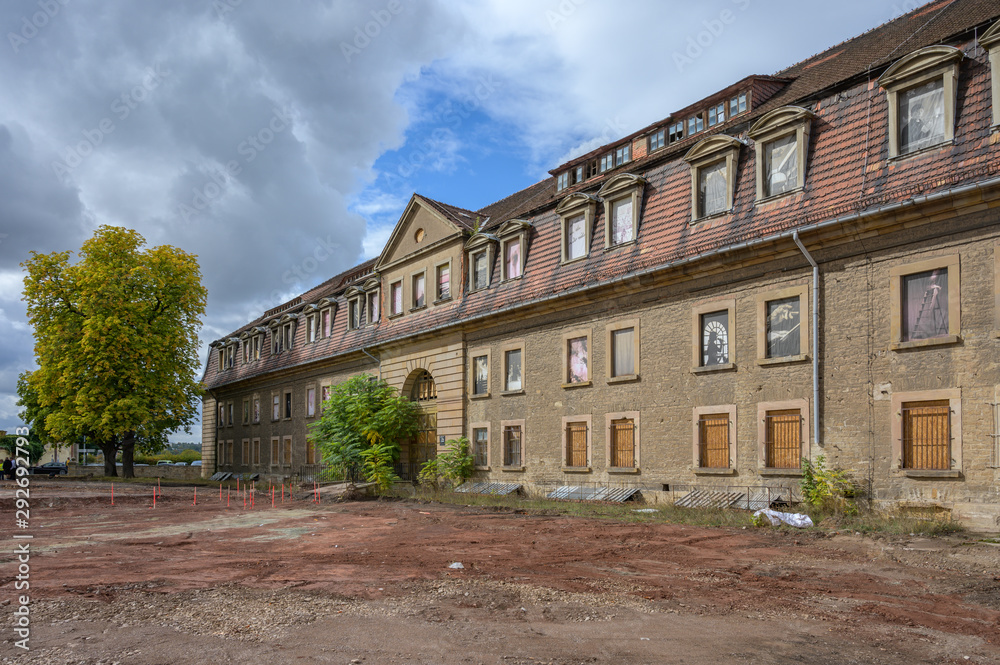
<point x="802" y="264"/>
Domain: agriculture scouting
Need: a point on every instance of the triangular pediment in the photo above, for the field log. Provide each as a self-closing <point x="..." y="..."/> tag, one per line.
<point x="421" y="226"/>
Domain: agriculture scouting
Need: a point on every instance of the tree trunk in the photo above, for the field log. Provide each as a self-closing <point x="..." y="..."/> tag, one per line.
<point x="110" y="449"/>
<point x="128" y="454"/>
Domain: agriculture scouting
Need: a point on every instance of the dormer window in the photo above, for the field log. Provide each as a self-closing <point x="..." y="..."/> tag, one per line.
<point x="480" y="248"/>
<point x="311" y="324"/>
<point x="577" y="218"/>
<point x="372" y="306"/>
<point x="326" y="322"/>
<point x="675" y="132"/>
<point x="622" y="197"/>
<point x="713" y="175"/>
<point x="782" y="144"/>
<point x="991" y="42"/>
<point x="921" y="89"/>
<point x="514" y="242"/>
<point x="656" y="140"/>
<point x="288" y="335"/>
<point x="716" y="115"/>
<point x="623" y="155"/>
<point x="738" y="104"/>
<point x="607" y="162"/>
<point x="256" y="342"/>
<point x="562" y="181"/>
<point x="696" y="123"/>
<point x="355" y="307"/>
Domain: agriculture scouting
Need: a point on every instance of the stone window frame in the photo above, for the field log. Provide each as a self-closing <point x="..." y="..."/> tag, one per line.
<point x="245" y="452"/>
<point x="287" y="448"/>
<point x="222" y="415"/>
<point x="312" y="335"/>
<point x="355" y="303"/>
<point x="511" y="345"/>
<point x="422" y="273"/>
<point x="569" y="208"/>
<point x="310" y="451"/>
<point x="473" y="354"/>
<point x="802" y="404"/>
<point x="514" y="230"/>
<point x="230" y="408"/>
<point x="329" y="310"/>
<point x="566" y="337"/>
<point x="778" y="124"/>
<point x="255" y="409"/>
<point x="709" y="152"/>
<point x="230" y="453"/>
<point x="618" y="188"/>
<point x="991" y="42"/>
<point x="611" y="328"/>
<point x="373" y="291"/>
<point x="392" y="299"/>
<point x="287" y="404"/>
<point x="710" y="307"/>
<point x="696" y="414"/>
<point x="915" y="69"/>
<point x="437" y="282"/>
<point x="489" y="441"/>
<point x="952" y="263"/>
<point x="246" y="411"/>
<point x="480" y="242"/>
<point x="275" y="460"/>
<point x="996" y="288"/>
<point x="311" y="403"/>
<point x="255" y="451"/>
<point x="954" y="397"/>
<point x="637" y="450"/>
<point x="588" y="419"/>
<point x="805" y="330"/>
<point x="504" y="424"/>
<point x="275" y="395"/>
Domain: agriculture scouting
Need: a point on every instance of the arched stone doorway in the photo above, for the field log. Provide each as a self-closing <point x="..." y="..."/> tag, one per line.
<point x="423" y="447"/>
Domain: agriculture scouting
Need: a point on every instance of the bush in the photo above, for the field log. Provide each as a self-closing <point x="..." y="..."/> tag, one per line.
<point x="454" y="465"/>
<point x="826" y="489"/>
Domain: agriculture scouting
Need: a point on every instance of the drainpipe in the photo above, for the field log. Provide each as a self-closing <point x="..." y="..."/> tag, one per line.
<point x="815" y="334"/>
<point x="379" y="362"/>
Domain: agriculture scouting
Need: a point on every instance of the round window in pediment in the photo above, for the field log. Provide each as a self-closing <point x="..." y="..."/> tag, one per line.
<point x="419" y="235"/>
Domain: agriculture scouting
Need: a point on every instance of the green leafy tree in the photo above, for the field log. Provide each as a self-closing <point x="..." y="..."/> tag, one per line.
<point x="35" y="447"/>
<point x="116" y="341"/>
<point x="361" y="426"/>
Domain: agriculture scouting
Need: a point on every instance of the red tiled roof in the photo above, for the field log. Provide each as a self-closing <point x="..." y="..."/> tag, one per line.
<point x="847" y="172"/>
<point x="464" y="219"/>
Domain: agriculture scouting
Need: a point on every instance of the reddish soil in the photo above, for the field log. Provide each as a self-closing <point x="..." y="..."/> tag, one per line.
<point x="369" y="582"/>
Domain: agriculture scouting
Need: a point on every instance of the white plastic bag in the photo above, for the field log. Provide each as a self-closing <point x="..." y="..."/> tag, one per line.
<point x="775" y="517"/>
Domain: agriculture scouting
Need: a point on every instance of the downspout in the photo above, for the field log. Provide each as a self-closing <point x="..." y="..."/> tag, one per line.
<point x="815" y="334"/>
<point x="377" y="362"/>
<point x="215" y="431"/>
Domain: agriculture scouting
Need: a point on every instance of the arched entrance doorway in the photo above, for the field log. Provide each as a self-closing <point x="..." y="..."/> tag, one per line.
<point x="423" y="447"/>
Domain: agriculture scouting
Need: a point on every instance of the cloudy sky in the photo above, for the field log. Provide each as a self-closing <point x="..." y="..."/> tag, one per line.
<point x="280" y="141"/>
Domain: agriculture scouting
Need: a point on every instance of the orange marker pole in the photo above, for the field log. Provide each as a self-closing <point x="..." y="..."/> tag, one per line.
<point x="195" y="502"/>
<point x="220" y="492"/>
<point x="272" y="496"/>
<point x="228" y="492"/>
<point x="154" y="497"/>
<point x="112" y="494"/>
<point x="282" y="492"/>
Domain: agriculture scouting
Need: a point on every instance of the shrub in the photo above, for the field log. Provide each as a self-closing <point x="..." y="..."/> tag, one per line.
<point x="454" y="465"/>
<point x="826" y="488"/>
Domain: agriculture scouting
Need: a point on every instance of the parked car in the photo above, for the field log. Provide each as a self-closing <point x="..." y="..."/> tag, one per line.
<point x="164" y="462"/>
<point x="197" y="462"/>
<point x="51" y="468"/>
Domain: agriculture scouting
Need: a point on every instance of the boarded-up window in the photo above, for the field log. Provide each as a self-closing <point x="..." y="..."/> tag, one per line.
<point x="781" y="165"/>
<point x="621" y="221"/>
<point x="921" y="116"/>
<point x="783" y="439"/>
<point x="513" y="362"/>
<point x="245" y="458"/>
<point x="310" y="452"/>
<point x="622" y="438"/>
<point x="927" y="435"/>
<point x="712" y="184"/>
<point x="783" y="328"/>
<point x="512" y="445"/>
<point x="481" y="375"/>
<point x="275" y="445"/>
<point x="480" y="444"/>
<point x="925" y="305"/>
<point x="512" y="258"/>
<point x="715" y="338"/>
<point x="577" y="371"/>
<point x="576" y="238"/>
<point x="418" y="290"/>
<point x="713" y="441"/>
<point x="256" y="451"/>
<point x="623" y="352"/>
<point x="576" y="444"/>
<point x="230" y="453"/>
<point x="443" y="282"/>
<point x="287" y="458"/>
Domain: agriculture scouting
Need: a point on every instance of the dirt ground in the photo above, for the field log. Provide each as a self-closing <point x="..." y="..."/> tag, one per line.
<point x="369" y="582"/>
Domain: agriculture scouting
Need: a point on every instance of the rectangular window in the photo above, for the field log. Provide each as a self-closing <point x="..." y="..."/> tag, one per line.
<point x="512" y="445"/>
<point x="738" y="104"/>
<point x="576" y="237"/>
<point x="396" y="294"/>
<point x="656" y="140"/>
<point x="257" y="343"/>
<point x="578" y="369"/>
<point x="623" y="155"/>
<point x="246" y="412"/>
<point x="921" y="116"/>
<point x="418" y="291"/>
<point x="783" y="328"/>
<point x="622" y="443"/>
<point x="481" y="375"/>
<point x="372" y="298"/>
<point x="246" y="351"/>
<point x="256" y="452"/>
<point x="230" y="453"/>
<point x="607" y="162"/>
<point x="325" y="393"/>
<point x="311" y="328"/>
<point x="480" y="446"/>
<point x="310" y="452"/>
<point x="229" y="410"/>
<point x="924" y="304"/>
<point x="513" y="369"/>
<point x="287" y="457"/>
<point x="576" y="444"/>
<point x="562" y="181"/>
<point x="276" y="407"/>
<point x="676" y="132"/>
<point x="713" y="441"/>
<point x="288" y="405"/>
<point x="275" y="446"/>
<point x="310" y="402"/>
<point x="326" y="322"/>
<point x="622" y="225"/>
<point x="712" y="189"/>
<point x="256" y="409"/>
<point x="578" y="174"/>
<point x="781" y="165"/>
<point x="783" y="439"/>
<point x="354" y="313"/>
<point x="715" y="338"/>
<point x="716" y="115"/>
<point x="245" y="457"/>
<point x="444" y="282"/>
<point x="512" y="258"/>
<point x="287" y="336"/>
<point x="222" y="359"/>
<point x="480" y="270"/>
<point x="927" y="435"/>
<point x="222" y="415"/>
<point x="623" y="352"/>
<point x="695" y="124"/>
